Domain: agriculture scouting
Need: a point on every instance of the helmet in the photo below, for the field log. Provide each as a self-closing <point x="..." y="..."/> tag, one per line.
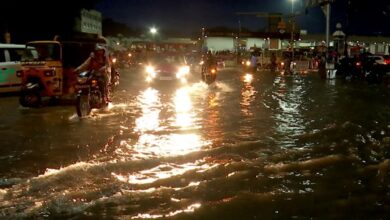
<point x="99" y="47"/>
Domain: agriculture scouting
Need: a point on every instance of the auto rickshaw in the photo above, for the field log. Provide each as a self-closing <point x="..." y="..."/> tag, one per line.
<point x="48" y="69"/>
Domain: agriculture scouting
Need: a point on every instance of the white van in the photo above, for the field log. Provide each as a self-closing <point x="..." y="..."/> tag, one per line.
<point x="10" y="56"/>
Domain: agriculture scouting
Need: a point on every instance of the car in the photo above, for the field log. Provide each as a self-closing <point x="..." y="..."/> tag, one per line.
<point x="167" y="67"/>
<point x="387" y="59"/>
<point x="378" y="59"/>
<point x="10" y="57"/>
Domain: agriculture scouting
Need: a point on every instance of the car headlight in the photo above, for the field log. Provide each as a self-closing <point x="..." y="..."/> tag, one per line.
<point x="149" y="69"/>
<point x="151" y="72"/>
<point x="248" y="63"/>
<point x="184" y="70"/>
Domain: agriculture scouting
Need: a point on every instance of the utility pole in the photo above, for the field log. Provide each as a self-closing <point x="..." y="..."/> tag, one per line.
<point x="327" y="6"/>
<point x="292" y="31"/>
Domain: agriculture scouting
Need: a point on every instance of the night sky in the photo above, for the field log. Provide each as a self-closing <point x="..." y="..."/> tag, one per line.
<point x="190" y="15"/>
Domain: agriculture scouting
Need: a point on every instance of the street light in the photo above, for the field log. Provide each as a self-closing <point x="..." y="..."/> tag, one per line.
<point x="153" y="31"/>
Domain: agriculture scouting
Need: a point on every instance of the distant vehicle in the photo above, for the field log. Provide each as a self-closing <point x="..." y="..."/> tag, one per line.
<point x="10" y="57"/>
<point x="167" y="67"/>
<point x="387" y="59"/>
<point x="378" y="59"/>
<point x="350" y="67"/>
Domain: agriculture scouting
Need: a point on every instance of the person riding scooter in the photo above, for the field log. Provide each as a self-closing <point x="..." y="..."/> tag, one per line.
<point x="96" y="61"/>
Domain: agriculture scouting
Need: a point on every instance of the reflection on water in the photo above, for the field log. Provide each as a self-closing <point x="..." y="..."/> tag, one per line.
<point x="189" y="209"/>
<point x="289" y="117"/>
<point x="152" y="143"/>
<point x="184" y="109"/>
<point x="150" y="104"/>
<point x="248" y="96"/>
<point x="232" y="150"/>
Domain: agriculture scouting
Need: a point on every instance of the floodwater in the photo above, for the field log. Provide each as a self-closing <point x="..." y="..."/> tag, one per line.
<point x="274" y="147"/>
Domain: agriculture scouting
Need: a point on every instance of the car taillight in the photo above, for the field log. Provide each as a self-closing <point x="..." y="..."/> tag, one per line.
<point x="19" y="73"/>
<point x="358" y="64"/>
<point x="49" y="73"/>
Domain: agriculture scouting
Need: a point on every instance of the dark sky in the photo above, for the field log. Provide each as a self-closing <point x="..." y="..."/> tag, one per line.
<point x="366" y="16"/>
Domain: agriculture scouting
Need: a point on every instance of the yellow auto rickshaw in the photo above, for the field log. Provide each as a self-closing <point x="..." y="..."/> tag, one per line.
<point x="48" y="68"/>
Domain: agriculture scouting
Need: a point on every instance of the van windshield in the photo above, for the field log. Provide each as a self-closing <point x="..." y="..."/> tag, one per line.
<point x="42" y="52"/>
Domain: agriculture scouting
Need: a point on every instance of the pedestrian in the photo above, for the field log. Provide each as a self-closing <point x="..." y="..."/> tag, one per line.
<point x="253" y="62"/>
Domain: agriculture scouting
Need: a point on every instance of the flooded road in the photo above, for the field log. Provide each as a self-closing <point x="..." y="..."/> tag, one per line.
<point x="274" y="147"/>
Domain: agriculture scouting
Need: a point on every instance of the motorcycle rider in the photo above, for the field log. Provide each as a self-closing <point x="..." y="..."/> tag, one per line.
<point x="209" y="63"/>
<point x="273" y="62"/>
<point x="96" y="61"/>
<point x="253" y="62"/>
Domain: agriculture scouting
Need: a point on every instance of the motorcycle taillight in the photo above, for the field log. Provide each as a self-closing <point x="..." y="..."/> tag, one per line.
<point x="358" y="64"/>
<point x="94" y="82"/>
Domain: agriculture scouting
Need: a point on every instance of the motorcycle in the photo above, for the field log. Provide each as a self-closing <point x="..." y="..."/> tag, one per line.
<point x="115" y="76"/>
<point x="209" y="74"/>
<point x="273" y="66"/>
<point x="90" y="92"/>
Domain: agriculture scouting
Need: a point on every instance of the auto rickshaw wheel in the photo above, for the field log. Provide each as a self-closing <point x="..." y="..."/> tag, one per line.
<point x="83" y="106"/>
<point x="30" y="99"/>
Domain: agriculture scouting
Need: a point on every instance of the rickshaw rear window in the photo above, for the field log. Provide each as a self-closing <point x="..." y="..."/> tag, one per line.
<point x="42" y="52"/>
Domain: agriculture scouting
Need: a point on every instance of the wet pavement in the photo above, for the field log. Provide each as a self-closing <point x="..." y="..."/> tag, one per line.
<point x="276" y="147"/>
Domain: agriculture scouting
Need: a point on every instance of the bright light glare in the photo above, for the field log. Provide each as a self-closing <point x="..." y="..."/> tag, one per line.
<point x="184" y="70"/>
<point x="248" y="78"/>
<point x="149" y="69"/>
<point x="153" y="30"/>
<point x="248" y="63"/>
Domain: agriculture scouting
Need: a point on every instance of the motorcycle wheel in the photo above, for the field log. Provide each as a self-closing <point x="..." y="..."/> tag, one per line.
<point x="208" y="79"/>
<point x="83" y="106"/>
<point x="30" y="99"/>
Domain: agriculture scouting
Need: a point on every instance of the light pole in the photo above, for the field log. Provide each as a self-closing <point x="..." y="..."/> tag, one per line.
<point x="292" y="30"/>
<point x="153" y="32"/>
